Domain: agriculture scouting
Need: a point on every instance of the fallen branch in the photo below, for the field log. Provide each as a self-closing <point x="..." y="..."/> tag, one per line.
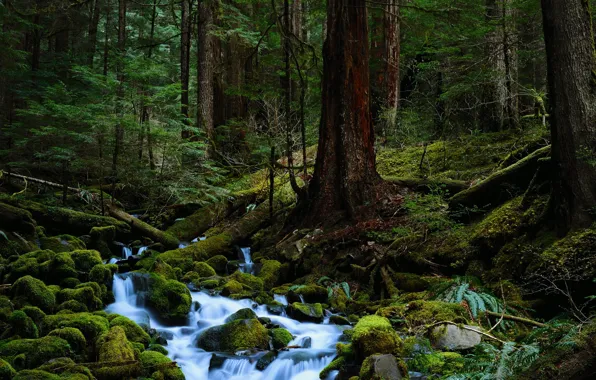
<point x="427" y="185"/>
<point x="168" y="240"/>
<point x="38" y="181"/>
<point x="464" y="327"/>
<point x="516" y="319"/>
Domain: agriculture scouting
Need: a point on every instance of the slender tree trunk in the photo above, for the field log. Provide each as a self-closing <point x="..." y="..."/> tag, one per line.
<point x="495" y="98"/>
<point x="345" y="176"/>
<point x="106" y="46"/>
<point x="185" y="64"/>
<point x="392" y="49"/>
<point x="571" y="63"/>
<point x="205" y="73"/>
<point x="92" y="35"/>
<point x="119" y="129"/>
<point x="511" y="66"/>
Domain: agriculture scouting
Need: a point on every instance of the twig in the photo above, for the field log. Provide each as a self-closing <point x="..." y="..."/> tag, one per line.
<point x="469" y="329"/>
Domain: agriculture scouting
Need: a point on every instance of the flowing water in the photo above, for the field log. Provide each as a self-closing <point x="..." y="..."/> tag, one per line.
<point x="247" y="266"/>
<point x="317" y="340"/>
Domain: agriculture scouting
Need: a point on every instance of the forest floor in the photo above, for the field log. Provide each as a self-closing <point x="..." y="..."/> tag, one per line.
<point x="464" y="278"/>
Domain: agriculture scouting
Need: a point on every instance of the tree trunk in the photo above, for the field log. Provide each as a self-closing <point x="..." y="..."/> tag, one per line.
<point x="571" y="63"/>
<point x="106" y="46"/>
<point x="92" y="35"/>
<point x="119" y="129"/>
<point x="205" y="73"/>
<point x="185" y="64"/>
<point x="391" y="27"/>
<point x="345" y="174"/>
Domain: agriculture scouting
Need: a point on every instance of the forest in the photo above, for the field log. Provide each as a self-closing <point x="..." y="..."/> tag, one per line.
<point x="297" y="189"/>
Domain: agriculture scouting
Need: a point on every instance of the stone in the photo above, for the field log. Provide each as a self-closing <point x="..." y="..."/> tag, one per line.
<point x="451" y="337"/>
<point x="380" y="367"/>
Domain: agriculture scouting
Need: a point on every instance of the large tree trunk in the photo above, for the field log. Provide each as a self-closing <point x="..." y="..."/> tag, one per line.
<point x="571" y="64"/>
<point x="345" y="174"/>
<point x="205" y="73"/>
<point x="185" y="64"/>
<point x="92" y="34"/>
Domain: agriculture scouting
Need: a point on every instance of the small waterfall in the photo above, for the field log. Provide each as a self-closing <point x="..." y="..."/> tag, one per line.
<point x="141" y="250"/>
<point x="281" y="299"/>
<point x="301" y="298"/>
<point x="198" y="239"/>
<point x="287" y="368"/>
<point x="183" y="244"/>
<point x="247" y="266"/>
<point x="126" y="252"/>
<point x="235" y="369"/>
<point x="113" y="260"/>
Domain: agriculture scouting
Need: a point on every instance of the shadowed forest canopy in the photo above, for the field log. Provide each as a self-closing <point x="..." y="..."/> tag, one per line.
<point x="297" y="189"/>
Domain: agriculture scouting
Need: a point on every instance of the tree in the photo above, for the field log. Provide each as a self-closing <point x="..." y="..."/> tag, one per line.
<point x="571" y="63"/>
<point x="205" y="71"/>
<point x="119" y="128"/>
<point x="345" y="174"/>
<point x="185" y="62"/>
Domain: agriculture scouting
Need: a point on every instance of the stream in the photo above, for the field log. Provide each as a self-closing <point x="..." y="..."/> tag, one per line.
<point x="317" y="341"/>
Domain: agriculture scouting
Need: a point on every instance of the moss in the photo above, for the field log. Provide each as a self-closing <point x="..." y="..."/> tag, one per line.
<point x="409" y="282"/>
<point x="61" y="243"/>
<point x="231" y="287"/>
<point x="158" y="366"/>
<point x="169" y="298"/>
<point x="134" y="332"/>
<point x="35" y="313"/>
<point x="203" y="269"/>
<point x="101" y="238"/>
<point x="103" y="273"/>
<point x="374" y="335"/>
<point x="210" y="284"/>
<point x="440" y="363"/>
<point x="252" y="282"/>
<point x="219" y="263"/>
<point x="73" y="306"/>
<point x="114" y="347"/>
<point x="574" y="250"/>
<point x="22" y="325"/>
<point x="245" y="313"/>
<point x="163" y="269"/>
<point x="280" y="338"/>
<point x="34" y="351"/>
<point x="306" y="312"/>
<point x="31" y="291"/>
<point x="86" y="295"/>
<point x="203" y="250"/>
<point x="270" y="273"/>
<point x="191" y="277"/>
<point x="85" y="260"/>
<point x="73" y="336"/>
<point x="60" y="268"/>
<point x="335" y="365"/>
<point x="35" y="374"/>
<point x="234" y="336"/>
<point x="426" y="312"/>
<point x="158" y="348"/>
<point x="28" y="264"/>
<point x="6" y="370"/>
<point x="67" y="369"/>
<point x="90" y="325"/>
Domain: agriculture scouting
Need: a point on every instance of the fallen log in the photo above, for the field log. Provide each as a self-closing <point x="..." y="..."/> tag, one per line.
<point x="38" y="181"/>
<point x="64" y="220"/>
<point x="427" y="185"/>
<point x="515" y="319"/>
<point x="501" y="185"/>
<point x="144" y="229"/>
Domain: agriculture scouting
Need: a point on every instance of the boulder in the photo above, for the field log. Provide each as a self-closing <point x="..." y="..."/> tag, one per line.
<point x="245" y="313"/>
<point x="380" y="367"/>
<point x="305" y="312"/>
<point x="451" y="337"/>
<point x="234" y="336"/>
<point x="374" y="335"/>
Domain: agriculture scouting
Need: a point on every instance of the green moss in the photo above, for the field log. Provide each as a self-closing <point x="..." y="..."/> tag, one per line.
<point x="134" y="332"/>
<point x="35" y="374"/>
<point x="427" y="312"/>
<point x="61" y="243"/>
<point x="163" y="269"/>
<point x="89" y="324"/>
<point x="231" y="287"/>
<point x="245" y="313"/>
<point x="158" y="348"/>
<point x="252" y="282"/>
<point x="234" y="336"/>
<point x="219" y="263"/>
<point x="22" y="325"/>
<point x="409" y="282"/>
<point x="101" y="238"/>
<point x="270" y="273"/>
<point x="114" y="347"/>
<point x="203" y="250"/>
<point x="86" y="295"/>
<point x="280" y="338"/>
<point x="210" y="284"/>
<point x="440" y="363"/>
<point x="335" y="365"/>
<point x="576" y="247"/>
<point x="35" y="313"/>
<point x="28" y="264"/>
<point x="306" y="312"/>
<point x="31" y="291"/>
<point x="72" y="306"/>
<point x="103" y="274"/>
<point x="67" y="369"/>
<point x="203" y="269"/>
<point x="158" y="366"/>
<point x="34" y="351"/>
<point x="85" y="260"/>
<point x="73" y="336"/>
<point x="6" y="370"/>
<point x="169" y="298"/>
<point x="374" y="335"/>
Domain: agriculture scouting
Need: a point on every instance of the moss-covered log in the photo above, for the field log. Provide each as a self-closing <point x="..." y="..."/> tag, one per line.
<point x="501" y="185"/>
<point x="59" y="219"/>
<point x="16" y="219"/>
<point x="427" y="185"/>
<point x="137" y="225"/>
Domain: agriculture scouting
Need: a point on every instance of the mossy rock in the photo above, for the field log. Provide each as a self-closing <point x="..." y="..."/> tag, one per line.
<point x="203" y="269"/>
<point x="92" y="326"/>
<point x="12" y="245"/>
<point x="158" y="366"/>
<point x="158" y="348"/>
<point x="6" y="371"/>
<point x="170" y="299"/>
<point x="163" y="269"/>
<point x="184" y="258"/>
<point x="29" y="264"/>
<point x="35" y="313"/>
<point x="85" y="260"/>
<point x="86" y="295"/>
<point x="344" y="357"/>
<point x="269" y="273"/>
<point x="248" y="280"/>
<point x="73" y="336"/>
<point x="409" y="282"/>
<point x="134" y="332"/>
<point x="103" y="274"/>
<point x="209" y="284"/>
<point x="245" y="313"/>
<point x="383" y="367"/>
<point x="339" y="320"/>
<point x="31" y="353"/>
<point x="16" y="219"/>
<point x="72" y="306"/>
<point x="305" y="312"/>
<point x="440" y="363"/>
<point x="31" y="291"/>
<point x="22" y="325"/>
<point x="420" y="313"/>
<point x="62" y="243"/>
<point x="6" y="308"/>
<point x="234" y="336"/>
<point x="219" y="263"/>
<point x="311" y="294"/>
<point x="60" y="269"/>
<point x="101" y="238"/>
<point x="280" y="338"/>
<point x="67" y="369"/>
<point x="232" y="287"/>
<point x="114" y="347"/>
<point x="374" y="335"/>
<point x="35" y="374"/>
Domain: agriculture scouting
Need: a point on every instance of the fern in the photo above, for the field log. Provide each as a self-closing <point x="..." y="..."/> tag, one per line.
<point x="4" y="235"/>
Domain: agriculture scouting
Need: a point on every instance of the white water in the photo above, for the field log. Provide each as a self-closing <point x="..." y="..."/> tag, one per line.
<point x="126" y="252"/>
<point x="141" y="250"/>
<point x="281" y="299"/>
<point x="295" y="364"/>
<point x="247" y="266"/>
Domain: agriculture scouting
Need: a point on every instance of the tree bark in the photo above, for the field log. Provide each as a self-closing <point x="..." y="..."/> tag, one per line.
<point x="106" y="46"/>
<point x="119" y="129"/>
<point x="92" y="34"/>
<point x="571" y="63"/>
<point x="345" y="174"/>
<point x="392" y="47"/>
<point x="185" y="64"/>
<point x="205" y="73"/>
